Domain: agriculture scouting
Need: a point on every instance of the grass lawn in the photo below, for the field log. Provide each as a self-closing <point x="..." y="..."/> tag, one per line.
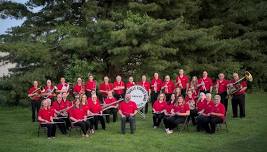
<point x="18" y="133"/>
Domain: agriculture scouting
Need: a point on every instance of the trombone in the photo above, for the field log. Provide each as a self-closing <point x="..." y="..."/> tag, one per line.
<point x="232" y="89"/>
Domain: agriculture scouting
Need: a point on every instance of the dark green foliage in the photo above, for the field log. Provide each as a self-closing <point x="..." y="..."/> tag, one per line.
<point x="133" y="38"/>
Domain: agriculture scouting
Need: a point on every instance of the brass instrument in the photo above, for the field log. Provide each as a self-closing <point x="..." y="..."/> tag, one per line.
<point x="36" y="93"/>
<point x="232" y="89"/>
<point x="108" y="106"/>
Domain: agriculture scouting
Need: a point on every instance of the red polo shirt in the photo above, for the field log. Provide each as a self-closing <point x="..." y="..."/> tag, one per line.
<point x="77" y="113"/>
<point x="46" y="114"/>
<point x="49" y="89"/>
<point x="209" y="107"/>
<point x="110" y="100"/>
<point x="201" y="105"/>
<point x="59" y="106"/>
<point x="129" y="84"/>
<point x="34" y="98"/>
<point x="222" y="85"/>
<point x="77" y="88"/>
<point x="60" y="86"/>
<point x="95" y="107"/>
<point x="156" y="84"/>
<point x="118" y="84"/>
<point x="184" y="80"/>
<point x="181" y="108"/>
<point x="219" y="109"/>
<point x="159" y="107"/>
<point x="169" y="107"/>
<point x="105" y="87"/>
<point x="90" y="85"/>
<point x="208" y="83"/>
<point x="243" y="84"/>
<point x="170" y="87"/>
<point x="145" y="84"/>
<point x="127" y="108"/>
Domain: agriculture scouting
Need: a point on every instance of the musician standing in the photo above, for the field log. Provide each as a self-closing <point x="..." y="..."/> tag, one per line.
<point x="90" y="85"/>
<point x="168" y="87"/>
<point x="144" y="83"/>
<point x="35" y="95"/>
<point x="205" y="83"/>
<point x="62" y="86"/>
<point x="221" y="89"/>
<point x="158" y="110"/>
<point x="127" y="110"/>
<point x="79" y="88"/>
<point x="182" y="82"/>
<point x="130" y="82"/>
<point x="156" y="84"/>
<point x="49" y="90"/>
<point x="45" y="118"/>
<point x="105" y="87"/>
<point x="119" y="88"/>
<point x="238" y="98"/>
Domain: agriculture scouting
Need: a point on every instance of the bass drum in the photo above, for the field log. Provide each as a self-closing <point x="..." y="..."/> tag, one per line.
<point x="139" y="95"/>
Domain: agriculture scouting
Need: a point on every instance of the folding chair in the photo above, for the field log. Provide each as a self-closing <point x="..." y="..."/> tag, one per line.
<point x="77" y="128"/>
<point x="219" y="125"/>
<point x="39" y="129"/>
<point x="185" y="124"/>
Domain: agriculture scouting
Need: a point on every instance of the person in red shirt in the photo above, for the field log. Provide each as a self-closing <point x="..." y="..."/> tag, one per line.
<point x="190" y="99"/>
<point x="62" y="86"/>
<point x="48" y="91"/>
<point x="127" y="110"/>
<point x="97" y="112"/>
<point x="158" y="110"/>
<point x="113" y="108"/>
<point x="105" y="87"/>
<point x="177" y="92"/>
<point x="144" y="83"/>
<point x="34" y="93"/>
<point x="205" y="83"/>
<point x="217" y="115"/>
<point x="90" y="85"/>
<point x="130" y="82"/>
<point x="204" y="114"/>
<point x="193" y="85"/>
<point x="238" y="98"/>
<point x="61" y="113"/>
<point x="168" y="108"/>
<point x="182" y="82"/>
<point x="156" y="84"/>
<point x="79" y="117"/>
<point x="119" y="88"/>
<point x="221" y="89"/>
<point x="45" y="118"/>
<point x="168" y="87"/>
<point x="79" y="88"/>
<point x="180" y="111"/>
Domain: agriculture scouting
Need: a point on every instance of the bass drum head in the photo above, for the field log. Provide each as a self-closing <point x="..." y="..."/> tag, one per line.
<point x="139" y="95"/>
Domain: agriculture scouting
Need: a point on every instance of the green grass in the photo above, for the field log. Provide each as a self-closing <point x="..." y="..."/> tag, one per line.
<point x="18" y="133"/>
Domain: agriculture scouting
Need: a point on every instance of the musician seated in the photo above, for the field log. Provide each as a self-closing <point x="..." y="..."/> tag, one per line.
<point x="85" y="107"/>
<point x="168" y="108"/>
<point x="215" y="116"/>
<point x="127" y="110"/>
<point x="79" y="118"/>
<point x="68" y="107"/>
<point x="45" y="118"/>
<point x="97" y="112"/>
<point x="60" y="111"/>
<point x="180" y="111"/>
<point x="190" y="99"/>
<point x="158" y="110"/>
<point x="112" y="109"/>
<point x="203" y="115"/>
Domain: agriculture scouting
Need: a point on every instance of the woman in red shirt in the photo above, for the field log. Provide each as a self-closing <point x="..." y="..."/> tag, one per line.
<point x="190" y="99"/>
<point x="168" y="108"/>
<point x="90" y="85"/>
<point x="181" y="110"/>
<point x="168" y="87"/>
<point x="130" y="82"/>
<point x="97" y="112"/>
<point x="45" y="118"/>
<point x="156" y="83"/>
<point x="79" y="118"/>
<point x="158" y="110"/>
<point x="113" y="109"/>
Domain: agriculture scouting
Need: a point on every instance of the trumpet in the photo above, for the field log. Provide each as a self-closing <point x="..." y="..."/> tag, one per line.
<point x="232" y="87"/>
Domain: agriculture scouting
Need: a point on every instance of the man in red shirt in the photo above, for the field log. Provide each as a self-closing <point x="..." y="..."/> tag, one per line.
<point x="130" y="82"/>
<point x="182" y="82"/>
<point x="180" y="110"/>
<point x="90" y="85"/>
<point x="168" y="87"/>
<point x="221" y="89"/>
<point x="146" y="85"/>
<point x="217" y="115"/>
<point x="119" y="88"/>
<point x="105" y="87"/>
<point x="205" y="83"/>
<point x="113" y="109"/>
<point x="238" y="98"/>
<point x="156" y="84"/>
<point x="35" y="95"/>
<point x="127" y="110"/>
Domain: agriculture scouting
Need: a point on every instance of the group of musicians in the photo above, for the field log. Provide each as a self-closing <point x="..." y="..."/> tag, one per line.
<point x="174" y="102"/>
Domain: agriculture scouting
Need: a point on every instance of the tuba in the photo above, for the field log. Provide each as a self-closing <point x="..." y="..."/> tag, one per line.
<point x="232" y="87"/>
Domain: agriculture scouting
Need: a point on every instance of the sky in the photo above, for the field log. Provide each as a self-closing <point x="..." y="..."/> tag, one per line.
<point x="5" y="24"/>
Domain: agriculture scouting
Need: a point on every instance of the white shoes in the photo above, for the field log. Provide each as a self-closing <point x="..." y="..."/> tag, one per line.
<point x="168" y="131"/>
